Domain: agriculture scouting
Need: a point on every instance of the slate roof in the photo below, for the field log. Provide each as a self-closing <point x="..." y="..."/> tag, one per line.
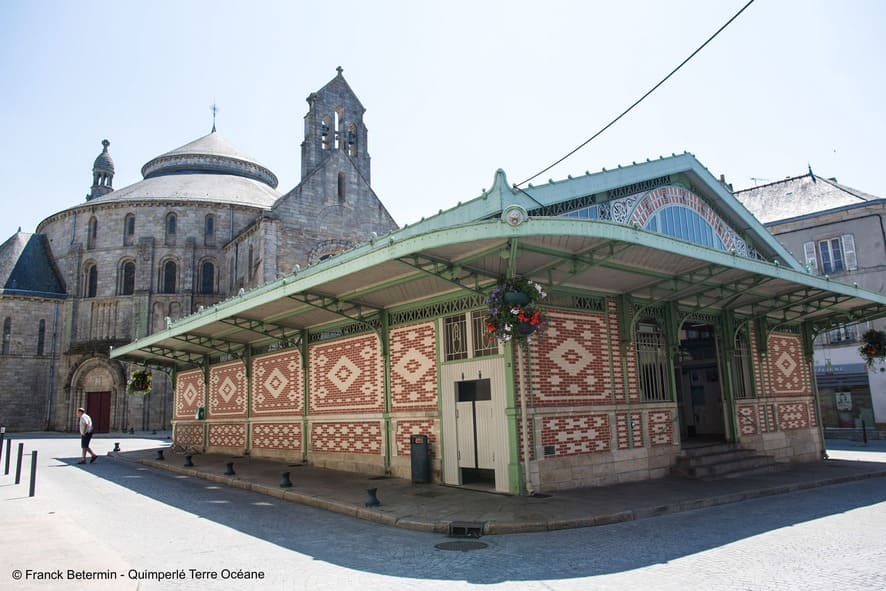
<point x="26" y="267"/>
<point x="798" y="196"/>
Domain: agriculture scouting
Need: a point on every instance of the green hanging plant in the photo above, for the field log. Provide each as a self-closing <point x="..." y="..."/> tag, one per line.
<point x="515" y="309"/>
<point x="139" y="382"/>
<point x="873" y="346"/>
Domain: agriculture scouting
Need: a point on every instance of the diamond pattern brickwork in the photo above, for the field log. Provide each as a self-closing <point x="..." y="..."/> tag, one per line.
<point x="793" y="416"/>
<point x="629" y="423"/>
<point x="409" y="427"/>
<point x="574" y="435"/>
<point x="413" y="367"/>
<point x="360" y="437"/>
<point x="660" y="426"/>
<point x="747" y="419"/>
<point x="227" y="390"/>
<point x="188" y="435"/>
<point x="189" y="389"/>
<point x="346" y="376"/>
<point x="285" y="436"/>
<point x="278" y="384"/>
<point x="227" y="435"/>
<point x="786" y="366"/>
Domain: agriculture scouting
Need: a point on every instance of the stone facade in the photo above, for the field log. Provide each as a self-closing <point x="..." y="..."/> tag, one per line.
<point x="205" y="223"/>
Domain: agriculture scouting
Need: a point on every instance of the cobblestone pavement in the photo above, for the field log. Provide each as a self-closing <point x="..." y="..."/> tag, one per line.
<point x="134" y="522"/>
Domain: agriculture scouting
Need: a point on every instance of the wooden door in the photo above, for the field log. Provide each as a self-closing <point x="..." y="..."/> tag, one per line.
<point x="98" y="406"/>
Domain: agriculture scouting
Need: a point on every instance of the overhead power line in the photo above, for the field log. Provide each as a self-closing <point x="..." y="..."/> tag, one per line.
<point x="639" y="100"/>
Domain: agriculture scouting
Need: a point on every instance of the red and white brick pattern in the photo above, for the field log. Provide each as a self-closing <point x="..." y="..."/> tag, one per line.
<point x="278" y="384"/>
<point x="657" y="198"/>
<point x="356" y="437"/>
<point x="408" y="427"/>
<point x="227" y="435"/>
<point x="285" y="436"/>
<point x="624" y="428"/>
<point x="660" y="426"/>
<point x="346" y="376"/>
<point x="189" y="394"/>
<point x="188" y="434"/>
<point x="227" y="391"/>
<point x="571" y="364"/>
<point x="413" y="355"/>
<point x="793" y="416"/>
<point x="786" y="366"/>
<point x="747" y="419"/>
<point x="577" y="434"/>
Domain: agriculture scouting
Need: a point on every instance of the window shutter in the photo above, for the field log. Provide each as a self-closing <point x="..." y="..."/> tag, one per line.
<point x="849" y="257"/>
<point x="809" y="255"/>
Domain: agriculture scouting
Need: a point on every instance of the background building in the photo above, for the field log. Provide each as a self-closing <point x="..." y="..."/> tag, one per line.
<point x="838" y="232"/>
<point x="205" y="223"/>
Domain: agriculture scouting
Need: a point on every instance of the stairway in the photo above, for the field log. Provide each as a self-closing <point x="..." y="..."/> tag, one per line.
<point x="722" y="460"/>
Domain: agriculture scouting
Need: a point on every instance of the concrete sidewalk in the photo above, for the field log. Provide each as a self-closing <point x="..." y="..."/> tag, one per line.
<point x="434" y="507"/>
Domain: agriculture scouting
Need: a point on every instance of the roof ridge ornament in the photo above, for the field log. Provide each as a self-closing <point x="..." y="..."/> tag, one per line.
<point x="214" y="109"/>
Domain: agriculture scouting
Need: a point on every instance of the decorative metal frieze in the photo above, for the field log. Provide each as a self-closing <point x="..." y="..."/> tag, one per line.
<point x="702" y="318"/>
<point x="345" y="330"/>
<point x="640" y="187"/>
<point x="649" y="312"/>
<point x="565" y="207"/>
<point x="589" y="303"/>
<point x="437" y="310"/>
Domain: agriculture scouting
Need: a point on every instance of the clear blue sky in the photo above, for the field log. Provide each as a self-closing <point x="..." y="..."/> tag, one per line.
<point x="453" y="90"/>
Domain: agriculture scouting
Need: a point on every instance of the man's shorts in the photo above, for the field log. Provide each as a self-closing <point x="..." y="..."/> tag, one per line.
<point x="85" y="439"/>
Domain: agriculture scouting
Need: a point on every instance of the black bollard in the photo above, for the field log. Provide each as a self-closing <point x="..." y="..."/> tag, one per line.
<point x="864" y="433"/>
<point x="116" y="446"/>
<point x="33" y="473"/>
<point x="8" y="453"/>
<point x="131" y="431"/>
<point x="284" y="480"/>
<point x="188" y="462"/>
<point x="159" y="457"/>
<point x="18" y="465"/>
<point x="372" y="501"/>
<point x="2" y="437"/>
<point x="229" y="471"/>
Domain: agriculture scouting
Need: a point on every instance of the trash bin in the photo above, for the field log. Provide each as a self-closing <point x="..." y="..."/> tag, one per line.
<point x="421" y="461"/>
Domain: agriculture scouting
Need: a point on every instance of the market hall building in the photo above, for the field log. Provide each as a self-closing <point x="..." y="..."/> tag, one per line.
<point x="670" y="318"/>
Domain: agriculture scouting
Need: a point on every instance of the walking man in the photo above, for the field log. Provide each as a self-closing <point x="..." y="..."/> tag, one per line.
<point x="85" y="435"/>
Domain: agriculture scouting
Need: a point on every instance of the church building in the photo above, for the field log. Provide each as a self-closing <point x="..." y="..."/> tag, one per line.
<point x="206" y="223"/>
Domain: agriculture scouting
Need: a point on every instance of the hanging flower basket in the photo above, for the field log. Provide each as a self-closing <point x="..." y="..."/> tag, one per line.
<point x="139" y="383"/>
<point x="514" y="309"/>
<point x="873" y="346"/>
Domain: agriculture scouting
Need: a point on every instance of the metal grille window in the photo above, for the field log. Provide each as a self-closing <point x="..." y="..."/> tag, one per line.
<point x="484" y="342"/>
<point x="652" y="363"/>
<point x="842" y="334"/>
<point x="742" y="383"/>
<point x="464" y="339"/>
<point x="456" y="338"/>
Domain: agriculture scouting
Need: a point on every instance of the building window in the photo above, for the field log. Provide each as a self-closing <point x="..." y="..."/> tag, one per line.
<point x="128" y="229"/>
<point x="209" y="230"/>
<point x="341" y="187"/>
<point x="742" y="377"/>
<point x="41" y="337"/>
<point x="170" y="228"/>
<point x="844" y="333"/>
<point x="652" y="363"/>
<point x="250" y="260"/>
<point x="685" y="224"/>
<point x="207" y="278"/>
<point x="90" y="287"/>
<point x="352" y="140"/>
<point x="7" y="334"/>
<point x="92" y="232"/>
<point x="833" y="255"/>
<point x="127" y="278"/>
<point x="324" y="133"/>
<point x="465" y="339"/>
<point x="170" y="272"/>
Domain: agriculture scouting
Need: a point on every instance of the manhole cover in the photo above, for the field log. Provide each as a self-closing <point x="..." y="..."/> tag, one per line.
<point x="461" y="546"/>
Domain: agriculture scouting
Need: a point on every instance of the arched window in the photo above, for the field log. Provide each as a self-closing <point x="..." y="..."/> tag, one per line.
<point x="170" y="228"/>
<point x="127" y="278"/>
<point x="41" y="337"/>
<point x="92" y="232"/>
<point x="90" y="283"/>
<point x="207" y="278"/>
<point x="209" y="230"/>
<point x="128" y="229"/>
<point x="170" y="272"/>
<point x="251" y="261"/>
<point x="686" y="224"/>
<point x="341" y="187"/>
<point x="325" y="133"/>
<point x="352" y="140"/>
<point x="7" y="334"/>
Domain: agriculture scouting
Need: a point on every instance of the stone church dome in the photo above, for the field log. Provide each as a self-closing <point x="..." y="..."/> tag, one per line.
<point x="207" y="169"/>
<point x="104" y="162"/>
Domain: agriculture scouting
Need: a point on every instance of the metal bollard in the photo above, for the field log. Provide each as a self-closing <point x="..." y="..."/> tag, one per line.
<point x="18" y="465"/>
<point x="188" y="462"/>
<point x="864" y="433"/>
<point x="229" y="471"/>
<point x="159" y="455"/>
<point x="284" y="480"/>
<point x="2" y="437"/>
<point x="372" y="501"/>
<point x="116" y="446"/>
<point x="8" y="453"/>
<point x="33" y="473"/>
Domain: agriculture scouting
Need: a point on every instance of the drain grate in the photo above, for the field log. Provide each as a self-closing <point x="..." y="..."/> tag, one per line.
<point x="461" y="546"/>
<point x="465" y="529"/>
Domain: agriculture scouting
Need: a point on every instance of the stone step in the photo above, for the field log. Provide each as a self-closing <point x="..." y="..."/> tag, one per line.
<point x="725" y="460"/>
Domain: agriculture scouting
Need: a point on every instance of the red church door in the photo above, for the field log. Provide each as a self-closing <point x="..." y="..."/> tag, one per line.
<point x="98" y="406"/>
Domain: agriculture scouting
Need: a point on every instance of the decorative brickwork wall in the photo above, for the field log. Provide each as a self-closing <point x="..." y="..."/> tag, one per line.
<point x="574" y="435"/>
<point x="278" y="384"/>
<point x="408" y="427"/>
<point x="189" y="394"/>
<point x="277" y="436"/>
<point x="346" y="376"/>
<point x="790" y="376"/>
<point x="413" y="355"/>
<point x="227" y="391"/>
<point x="571" y="363"/>
<point x="629" y="424"/>
<point x="747" y="419"/>
<point x="660" y="426"/>
<point x="359" y="437"/>
<point x="188" y="435"/>
<point x="793" y="416"/>
<point x="227" y="435"/>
